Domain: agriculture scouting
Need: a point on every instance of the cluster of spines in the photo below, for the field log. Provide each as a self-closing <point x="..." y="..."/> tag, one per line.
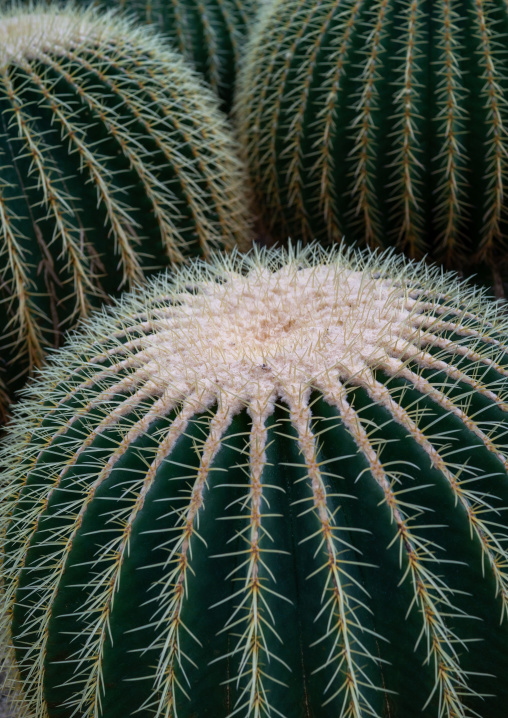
<point x="106" y="391"/>
<point x="208" y="33"/>
<point x="113" y="126"/>
<point x="380" y="123"/>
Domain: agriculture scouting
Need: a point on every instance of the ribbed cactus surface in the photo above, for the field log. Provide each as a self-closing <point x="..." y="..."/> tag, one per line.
<point x="210" y="34"/>
<point x="383" y="121"/>
<point x="114" y="161"/>
<point x="272" y="486"/>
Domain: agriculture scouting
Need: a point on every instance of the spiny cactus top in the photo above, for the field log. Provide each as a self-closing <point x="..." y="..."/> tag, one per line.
<point x="273" y="486"/>
<point x="384" y="121"/>
<point x="114" y="160"/>
<point x="209" y="33"/>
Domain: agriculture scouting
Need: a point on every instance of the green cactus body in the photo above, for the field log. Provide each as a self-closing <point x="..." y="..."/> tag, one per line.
<point x="114" y="161"/>
<point x="209" y="33"/>
<point x="270" y="486"/>
<point x="382" y="121"/>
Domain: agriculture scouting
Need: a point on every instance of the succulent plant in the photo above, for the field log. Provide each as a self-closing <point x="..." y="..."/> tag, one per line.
<point x="114" y="161"/>
<point x="273" y="485"/>
<point x="381" y="121"/>
<point x="209" y="33"/>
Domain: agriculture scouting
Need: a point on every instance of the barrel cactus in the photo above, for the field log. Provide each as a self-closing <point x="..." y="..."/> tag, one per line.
<point x="270" y="486"/>
<point x="209" y="33"/>
<point x="383" y="121"/>
<point x="114" y="161"/>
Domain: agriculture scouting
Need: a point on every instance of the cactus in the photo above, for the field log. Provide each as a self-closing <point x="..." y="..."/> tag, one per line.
<point x="209" y="33"/>
<point x="385" y="122"/>
<point x="269" y="486"/>
<point x="114" y="161"/>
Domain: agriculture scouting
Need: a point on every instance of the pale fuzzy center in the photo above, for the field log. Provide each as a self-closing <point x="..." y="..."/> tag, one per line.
<point x="284" y="330"/>
<point x="28" y="34"/>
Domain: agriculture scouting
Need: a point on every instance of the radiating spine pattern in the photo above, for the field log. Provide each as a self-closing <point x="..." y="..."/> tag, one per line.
<point x="274" y="485"/>
<point x="210" y="34"/>
<point x="381" y="120"/>
<point x="114" y="161"/>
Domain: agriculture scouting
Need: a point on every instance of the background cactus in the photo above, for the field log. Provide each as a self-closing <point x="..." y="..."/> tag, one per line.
<point x="382" y="121"/>
<point x="114" y="161"/>
<point x="209" y="33"/>
<point x="274" y="486"/>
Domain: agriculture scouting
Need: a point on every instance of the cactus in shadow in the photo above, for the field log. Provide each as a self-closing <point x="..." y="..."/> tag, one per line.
<point x="210" y="34"/>
<point x="382" y="121"/>
<point x="114" y="162"/>
<point x="273" y="485"/>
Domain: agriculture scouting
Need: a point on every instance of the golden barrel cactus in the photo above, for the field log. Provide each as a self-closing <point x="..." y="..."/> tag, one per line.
<point x="382" y="121"/>
<point x="275" y="485"/>
<point x="114" y="162"/>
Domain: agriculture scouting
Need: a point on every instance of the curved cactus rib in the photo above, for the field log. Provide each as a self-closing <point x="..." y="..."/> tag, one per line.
<point x="105" y="587"/>
<point x="451" y="212"/>
<point x="260" y="147"/>
<point x="162" y="207"/>
<point x="130" y="403"/>
<point x="117" y="212"/>
<point x="407" y="166"/>
<point x="468" y="352"/>
<point x="41" y="500"/>
<point x="497" y="140"/>
<point x="251" y="648"/>
<point x="210" y="171"/>
<point x="325" y="164"/>
<point x="347" y="649"/>
<point x="363" y="125"/>
<point x="227" y="15"/>
<point x="25" y="327"/>
<point x="398" y="368"/>
<point x="132" y="360"/>
<point x="175" y="158"/>
<point x="123" y="385"/>
<point x="56" y="202"/>
<point x="430" y="591"/>
<point x="179" y="28"/>
<point x="115" y="551"/>
<point x="473" y="503"/>
<point x="426" y="360"/>
<point x="296" y="185"/>
<point x="427" y="322"/>
<point x="172" y="593"/>
<point x="213" y="61"/>
<point x="272" y="177"/>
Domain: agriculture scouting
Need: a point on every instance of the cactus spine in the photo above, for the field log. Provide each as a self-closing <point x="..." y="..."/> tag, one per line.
<point x="114" y="161"/>
<point x="382" y="121"/>
<point x="268" y="485"/>
<point x="208" y="33"/>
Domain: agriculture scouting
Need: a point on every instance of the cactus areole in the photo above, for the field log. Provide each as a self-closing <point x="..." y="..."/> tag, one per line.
<point x="271" y="486"/>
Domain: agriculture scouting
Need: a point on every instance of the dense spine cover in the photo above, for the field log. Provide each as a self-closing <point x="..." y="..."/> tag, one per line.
<point x="114" y="161"/>
<point x="384" y="121"/>
<point x="210" y="34"/>
<point x="271" y="486"/>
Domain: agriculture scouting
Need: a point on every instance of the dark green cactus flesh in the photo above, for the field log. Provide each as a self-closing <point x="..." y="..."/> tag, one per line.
<point x="114" y="161"/>
<point x="270" y="486"/>
<point x="209" y="33"/>
<point x="384" y="121"/>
